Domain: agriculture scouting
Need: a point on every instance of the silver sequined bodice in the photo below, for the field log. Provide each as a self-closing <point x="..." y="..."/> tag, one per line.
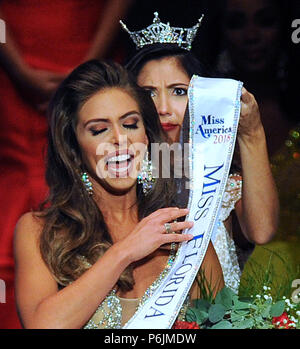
<point x="109" y="312"/>
<point x="222" y="239"/>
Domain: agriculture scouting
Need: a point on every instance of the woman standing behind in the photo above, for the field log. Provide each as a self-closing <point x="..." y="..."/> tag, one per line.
<point x="164" y="66"/>
<point x="92" y="252"/>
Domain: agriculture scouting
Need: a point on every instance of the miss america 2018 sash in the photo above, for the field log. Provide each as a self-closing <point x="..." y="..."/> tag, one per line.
<point x="214" y="108"/>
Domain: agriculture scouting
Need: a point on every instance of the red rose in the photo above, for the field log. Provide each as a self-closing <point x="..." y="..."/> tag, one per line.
<point x="282" y="321"/>
<point x="183" y="325"/>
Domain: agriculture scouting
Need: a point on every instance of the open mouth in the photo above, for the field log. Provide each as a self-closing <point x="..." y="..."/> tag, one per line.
<point x="119" y="164"/>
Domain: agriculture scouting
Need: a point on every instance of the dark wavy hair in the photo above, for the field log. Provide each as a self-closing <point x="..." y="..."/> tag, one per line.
<point x="189" y="62"/>
<point x="74" y="229"/>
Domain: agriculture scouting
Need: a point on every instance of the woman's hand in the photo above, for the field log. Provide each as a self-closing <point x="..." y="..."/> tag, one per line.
<point x="37" y="86"/>
<point x="250" y="122"/>
<point x="150" y="233"/>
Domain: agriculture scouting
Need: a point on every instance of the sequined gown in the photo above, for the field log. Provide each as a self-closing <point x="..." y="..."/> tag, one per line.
<point x="114" y="311"/>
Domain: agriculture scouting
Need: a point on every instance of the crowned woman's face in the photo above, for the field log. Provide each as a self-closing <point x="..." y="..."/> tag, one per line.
<point x="168" y="83"/>
<point x="112" y="139"/>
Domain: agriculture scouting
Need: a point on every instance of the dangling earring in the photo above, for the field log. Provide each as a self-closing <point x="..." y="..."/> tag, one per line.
<point x="145" y="177"/>
<point x="87" y="183"/>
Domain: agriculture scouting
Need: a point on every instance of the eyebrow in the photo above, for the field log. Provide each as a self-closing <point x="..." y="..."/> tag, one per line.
<point x="168" y="86"/>
<point x="124" y="116"/>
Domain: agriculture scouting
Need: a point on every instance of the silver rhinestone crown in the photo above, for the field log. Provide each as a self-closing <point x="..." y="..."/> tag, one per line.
<point x="159" y="32"/>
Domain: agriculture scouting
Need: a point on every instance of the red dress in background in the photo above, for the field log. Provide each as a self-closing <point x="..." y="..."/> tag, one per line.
<point x="51" y="35"/>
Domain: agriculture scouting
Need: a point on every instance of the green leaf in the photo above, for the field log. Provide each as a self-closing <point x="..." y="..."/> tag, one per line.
<point x="259" y="319"/>
<point x="277" y="309"/>
<point x="202" y="316"/>
<point x="253" y="306"/>
<point x="194" y="314"/>
<point x="237" y="305"/>
<point x="201" y="304"/>
<point x="248" y="323"/>
<point x="238" y="315"/>
<point x="266" y="311"/>
<point x="242" y="312"/>
<point x="236" y="318"/>
<point x="222" y="325"/>
<point x="225" y="297"/>
<point x="190" y="315"/>
<point x="216" y="312"/>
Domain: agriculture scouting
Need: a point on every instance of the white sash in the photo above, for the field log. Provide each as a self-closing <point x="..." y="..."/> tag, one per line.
<point x="214" y="107"/>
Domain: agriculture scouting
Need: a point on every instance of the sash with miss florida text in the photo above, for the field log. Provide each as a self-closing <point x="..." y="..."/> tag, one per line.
<point x="214" y="109"/>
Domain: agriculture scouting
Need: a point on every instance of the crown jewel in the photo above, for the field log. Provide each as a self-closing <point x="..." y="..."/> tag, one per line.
<point x="159" y="32"/>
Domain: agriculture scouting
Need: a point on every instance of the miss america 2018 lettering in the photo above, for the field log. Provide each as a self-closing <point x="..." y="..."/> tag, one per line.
<point x="212" y="120"/>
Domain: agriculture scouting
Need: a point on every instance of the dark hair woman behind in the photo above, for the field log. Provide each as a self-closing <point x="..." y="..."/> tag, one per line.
<point x="190" y="63"/>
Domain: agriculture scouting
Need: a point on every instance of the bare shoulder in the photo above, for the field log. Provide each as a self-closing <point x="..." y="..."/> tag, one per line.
<point x="28" y="230"/>
<point x="34" y="281"/>
<point x="30" y="220"/>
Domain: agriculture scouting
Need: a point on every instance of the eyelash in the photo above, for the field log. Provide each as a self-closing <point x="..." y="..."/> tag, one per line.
<point x="97" y="132"/>
<point x="176" y="89"/>
<point x="151" y="92"/>
<point x="129" y="126"/>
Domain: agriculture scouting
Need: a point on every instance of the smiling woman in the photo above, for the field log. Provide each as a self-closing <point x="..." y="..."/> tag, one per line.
<point x="108" y="136"/>
<point x="93" y="252"/>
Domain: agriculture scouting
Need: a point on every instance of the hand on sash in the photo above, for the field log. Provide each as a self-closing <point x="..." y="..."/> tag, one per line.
<point x="150" y="233"/>
<point x="250" y="121"/>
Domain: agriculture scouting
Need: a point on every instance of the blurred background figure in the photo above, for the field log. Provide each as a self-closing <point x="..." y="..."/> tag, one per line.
<point x="44" y="41"/>
<point x="256" y="48"/>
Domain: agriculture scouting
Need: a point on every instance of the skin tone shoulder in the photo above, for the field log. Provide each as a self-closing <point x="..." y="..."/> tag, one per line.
<point x="73" y="306"/>
<point x="257" y="211"/>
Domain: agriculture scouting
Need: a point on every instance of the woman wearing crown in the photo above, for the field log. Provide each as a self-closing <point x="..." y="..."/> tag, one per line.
<point x="92" y="256"/>
<point x="164" y="66"/>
